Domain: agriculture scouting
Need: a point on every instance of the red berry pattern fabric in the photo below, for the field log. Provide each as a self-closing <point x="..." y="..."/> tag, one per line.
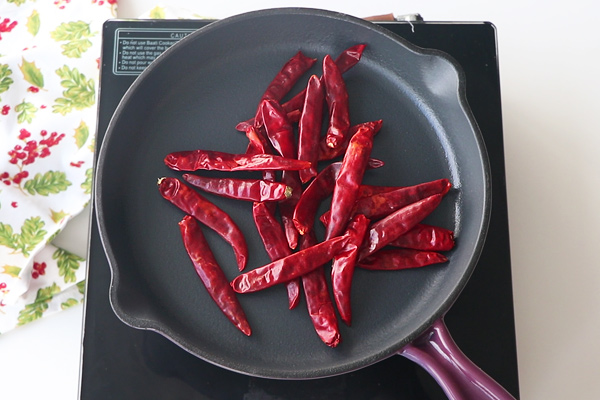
<point x="49" y="70"/>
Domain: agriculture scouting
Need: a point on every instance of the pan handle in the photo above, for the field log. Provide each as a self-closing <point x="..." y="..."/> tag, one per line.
<point x="459" y="377"/>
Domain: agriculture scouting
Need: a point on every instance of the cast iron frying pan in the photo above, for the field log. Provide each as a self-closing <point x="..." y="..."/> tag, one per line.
<point x="192" y="97"/>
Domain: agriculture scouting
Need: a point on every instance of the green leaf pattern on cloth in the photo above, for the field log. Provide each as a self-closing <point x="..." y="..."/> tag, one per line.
<point x="5" y="79"/>
<point x="58" y="216"/>
<point x="68" y="264"/>
<point x="82" y="133"/>
<point x="32" y="233"/>
<point x="49" y="70"/>
<point x="79" y="93"/>
<point x="87" y="184"/>
<point x="33" y="23"/>
<point x="17" y="2"/>
<point x="31" y="73"/>
<point x="75" y="36"/>
<point x="69" y="303"/>
<point x="26" y="111"/>
<point x="35" y="310"/>
<point x="81" y="287"/>
<point x="51" y="182"/>
<point x="11" y="270"/>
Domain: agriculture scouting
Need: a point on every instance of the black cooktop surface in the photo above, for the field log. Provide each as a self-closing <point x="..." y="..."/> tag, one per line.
<point x="120" y="362"/>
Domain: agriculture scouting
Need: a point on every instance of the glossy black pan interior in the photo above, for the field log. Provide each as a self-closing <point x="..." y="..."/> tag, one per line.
<point x="192" y="97"/>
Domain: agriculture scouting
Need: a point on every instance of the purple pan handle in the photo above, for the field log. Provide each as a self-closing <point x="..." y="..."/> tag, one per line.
<point x="459" y="377"/>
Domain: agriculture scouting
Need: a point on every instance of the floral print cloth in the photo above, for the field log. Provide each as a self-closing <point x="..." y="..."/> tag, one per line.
<point x="49" y="70"/>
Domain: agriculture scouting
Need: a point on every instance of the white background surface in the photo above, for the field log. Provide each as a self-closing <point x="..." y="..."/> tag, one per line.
<point x="549" y="54"/>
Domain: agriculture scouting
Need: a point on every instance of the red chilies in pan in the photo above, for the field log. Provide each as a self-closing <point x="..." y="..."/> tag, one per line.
<point x="342" y="269"/>
<point x="426" y="237"/>
<point x="398" y="259"/>
<point x="194" y="160"/>
<point x="349" y="180"/>
<point x="288" y="268"/>
<point x="281" y="135"/>
<point x="371" y="227"/>
<point x="329" y="153"/>
<point x="318" y="301"/>
<point x="346" y="60"/>
<point x="318" y="190"/>
<point x="278" y="128"/>
<point x="194" y="204"/>
<point x="211" y="274"/>
<point x="281" y="84"/>
<point x="276" y="245"/>
<point x="287" y="77"/>
<point x="384" y="231"/>
<point x="241" y="189"/>
<point x="337" y="102"/>
<point x="309" y="127"/>
<point x="381" y="204"/>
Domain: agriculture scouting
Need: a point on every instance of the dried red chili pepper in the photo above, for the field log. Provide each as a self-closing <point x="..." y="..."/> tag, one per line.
<point x="342" y="269"/>
<point x="337" y="101"/>
<point x="276" y="245"/>
<point x="241" y="189"/>
<point x="426" y="237"/>
<point x="382" y="204"/>
<point x="287" y="207"/>
<point x="318" y="190"/>
<point x="257" y="142"/>
<point x="290" y="267"/>
<point x="363" y="191"/>
<point x="309" y="127"/>
<point x="318" y="301"/>
<point x="196" y="205"/>
<point x="293" y="292"/>
<point x="349" y="179"/>
<point x="211" y="274"/>
<point x="320" y="307"/>
<point x="282" y="83"/>
<point x="194" y="160"/>
<point x="398" y="259"/>
<point x="287" y="77"/>
<point x="346" y="60"/>
<point x="350" y="57"/>
<point x="279" y="130"/>
<point x="370" y="190"/>
<point x="281" y="135"/>
<point x="384" y="231"/>
<point x="270" y="232"/>
<point x="328" y="153"/>
<point x="292" y="116"/>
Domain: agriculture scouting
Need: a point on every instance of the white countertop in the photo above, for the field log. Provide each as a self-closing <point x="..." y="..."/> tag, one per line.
<point x="549" y="61"/>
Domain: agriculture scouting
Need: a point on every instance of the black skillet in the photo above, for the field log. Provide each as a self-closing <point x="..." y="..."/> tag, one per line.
<point x="192" y="96"/>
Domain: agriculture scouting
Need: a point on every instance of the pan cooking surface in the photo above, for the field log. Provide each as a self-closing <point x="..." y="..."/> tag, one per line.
<point x="192" y="97"/>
